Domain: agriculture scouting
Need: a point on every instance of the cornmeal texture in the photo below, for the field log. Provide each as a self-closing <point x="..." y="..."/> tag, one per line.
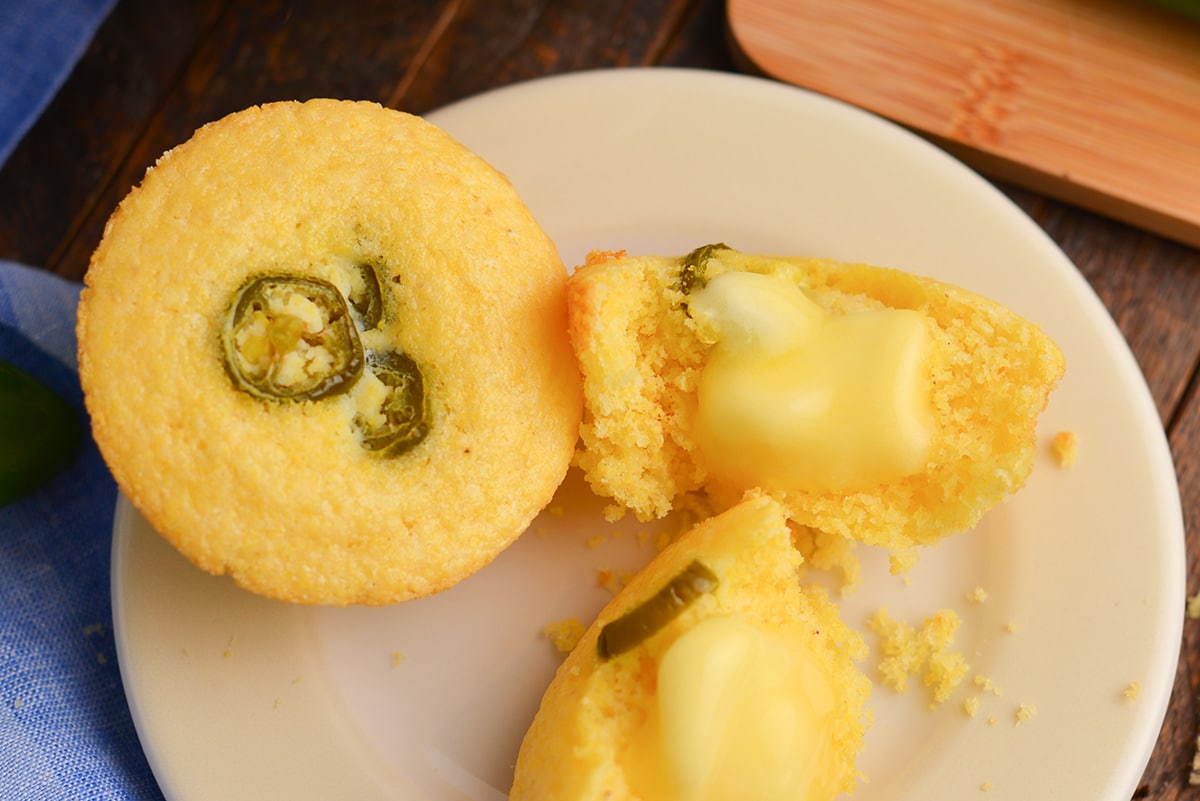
<point x="582" y="740"/>
<point x="283" y="495"/>
<point x="992" y="373"/>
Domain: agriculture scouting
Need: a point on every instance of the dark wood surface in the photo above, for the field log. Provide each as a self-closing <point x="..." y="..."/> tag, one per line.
<point x="156" y="71"/>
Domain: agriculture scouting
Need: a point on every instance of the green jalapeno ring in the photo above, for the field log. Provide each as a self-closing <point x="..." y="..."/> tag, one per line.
<point x="637" y="625"/>
<point x="693" y="272"/>
<point x="370" y="305"/>
<point x="258" y="334"/>
<point x="405" y="410"/>
<point x="340" y="338"/>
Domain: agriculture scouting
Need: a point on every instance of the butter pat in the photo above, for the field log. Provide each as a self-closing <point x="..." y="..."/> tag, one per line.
<point x="743" y="716"/>
<point x="793" y="396"/>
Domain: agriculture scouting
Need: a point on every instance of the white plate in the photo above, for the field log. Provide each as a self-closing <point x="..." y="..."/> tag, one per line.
<point x="237" y="697"/>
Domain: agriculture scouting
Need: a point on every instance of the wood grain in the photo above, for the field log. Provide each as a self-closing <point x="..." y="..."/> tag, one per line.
<point x="1093" y="101"/>
<point x="415" y="56"/>
<point x="1172" y="760"/>
<point x="57" y="174"/>
<point x="256" y="53"/>
<point x="1150" y="287"/>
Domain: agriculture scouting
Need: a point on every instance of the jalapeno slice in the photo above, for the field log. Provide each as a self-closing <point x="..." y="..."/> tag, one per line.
<point x="692" y="268"/>
<point x="638" y="624"/>
<point x="402" y="420"/>
<point x="289" y="338"/>
<point x="39" y="433"/>
<point x="366" y="298"/>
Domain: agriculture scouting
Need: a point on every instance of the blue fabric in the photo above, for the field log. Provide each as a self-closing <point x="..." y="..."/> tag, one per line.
<point x="65" y="727"/>
<point x="40" y="42"/>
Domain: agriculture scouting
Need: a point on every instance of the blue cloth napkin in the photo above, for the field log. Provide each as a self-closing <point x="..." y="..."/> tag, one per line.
<point x="65" y="727"/>
<point x="40" y="42"/>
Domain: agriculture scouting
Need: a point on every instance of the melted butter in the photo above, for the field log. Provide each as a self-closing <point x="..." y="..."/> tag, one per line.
<point x="742" y="715"/>
<point x="794" y="396"/>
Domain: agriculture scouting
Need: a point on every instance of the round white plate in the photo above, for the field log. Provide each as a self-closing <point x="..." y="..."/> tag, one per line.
<point x="237" y="697"/>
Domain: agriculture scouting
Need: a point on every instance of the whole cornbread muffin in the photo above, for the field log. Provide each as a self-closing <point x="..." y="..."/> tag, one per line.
<point x="714" y="675"/>
<point x="874" y="405"/>
<point x="323" y="349"/>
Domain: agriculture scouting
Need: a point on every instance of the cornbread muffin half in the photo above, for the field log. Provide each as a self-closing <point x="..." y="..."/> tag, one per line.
<point x="323" y="349"/>
<point x="714" y="674"/>
<point x="873" y="404"/>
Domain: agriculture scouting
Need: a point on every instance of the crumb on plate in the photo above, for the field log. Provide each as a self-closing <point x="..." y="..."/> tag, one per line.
<point x="1066" y="448"/>
<point x="988" y="686"/>
<point x="925" y="651"/>
<point x="977" y="595"/>
<point x="564" y="634"/>
<point x="612" y="580"/>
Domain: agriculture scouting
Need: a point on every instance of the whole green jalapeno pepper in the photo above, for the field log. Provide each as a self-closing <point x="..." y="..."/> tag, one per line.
<point x="39" y="433"/>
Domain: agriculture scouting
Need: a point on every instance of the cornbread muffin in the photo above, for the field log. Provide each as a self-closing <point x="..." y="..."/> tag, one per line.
<point x="715" y="674"/>
<point x="323" y="350"/>
<point x="874" y="405"/>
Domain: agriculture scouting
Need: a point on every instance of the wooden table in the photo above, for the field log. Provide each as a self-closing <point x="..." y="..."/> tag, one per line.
<point x="156" y="71"/>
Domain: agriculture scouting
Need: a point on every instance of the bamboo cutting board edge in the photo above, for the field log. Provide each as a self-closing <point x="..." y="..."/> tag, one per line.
<point x="1074" y="177"/>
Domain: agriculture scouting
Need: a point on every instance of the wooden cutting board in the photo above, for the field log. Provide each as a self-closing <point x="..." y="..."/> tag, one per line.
<point x="1095" y="102"/>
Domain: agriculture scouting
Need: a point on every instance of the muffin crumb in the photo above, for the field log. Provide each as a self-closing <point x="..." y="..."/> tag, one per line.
<point x="564" y="634"/>
<point x="924" y="651"/>
<point x="977" y="596"/>
<point x="1066" y="448"/>
<point x="988" y="686"/>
